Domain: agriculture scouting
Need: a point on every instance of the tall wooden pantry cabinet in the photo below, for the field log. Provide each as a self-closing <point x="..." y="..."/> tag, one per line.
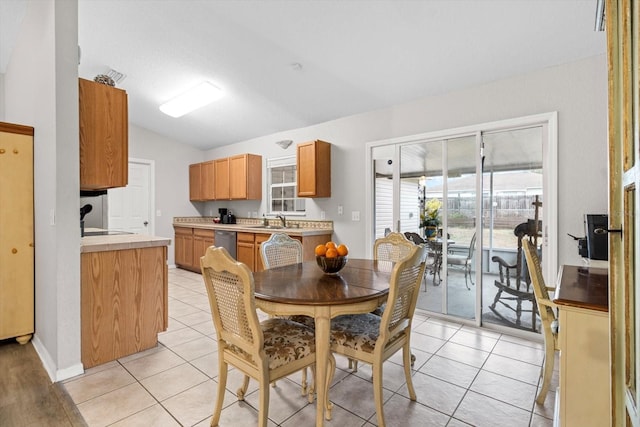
<point x="16" y="233"/>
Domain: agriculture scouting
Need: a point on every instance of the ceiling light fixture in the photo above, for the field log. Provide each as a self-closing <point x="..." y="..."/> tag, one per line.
<point x="203" y="94"/>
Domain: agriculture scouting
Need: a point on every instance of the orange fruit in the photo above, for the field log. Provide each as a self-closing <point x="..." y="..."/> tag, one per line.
<point x="321" y="250"/>
<point x="332" y="253"/>
<point x="331" y="245"/>
<point x="342" y="250"/>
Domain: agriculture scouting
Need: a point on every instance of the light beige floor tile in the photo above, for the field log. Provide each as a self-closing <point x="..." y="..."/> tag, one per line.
<point x="519" y="352"/>
<point x="463" y="354"/>
<point x="426" y="343"/>
<point x="505" y="389"/>
<point x="400" y="411"/>
<point x="339" y="418"/>
<point x="178" y="308"/>
<point x="435" y="393"/>
<point x="174" y="325"/>
<point x="90" y="386"/>
<point x="421" y="357"/>
<point x="144" y="353"/>
<point x="457" y="423"/>
<point x="512" y="368"/>
<point x="172" y="339"/>
<point x="207" y="364"/>
<point x="435" y="330"/>
<point x="451" y="371"/>
<point x="239" y="414"/>
<point x="444" y="322"/>
<point x="548" y="406"/>
<point x="392" y="374"/>
<point x="539" y="421"/>
<point x="470" y="339"/>
<point x="285" y="400"/>
<point x="94" y="370"/>
<point x="152" y="364"/>
<point x="195" y="348"/>
<point x="206" y="328"/>
<point x="482" y="411"/>
<point x="116" y="405"/>
<point x="194" y="318"/>
<point x="356" y="395"/>
<point x="154" y="416"/>
<point x="484" y="332"/>
<point x="537" y="342"/>
<point x="173" y="381"/>
<point x="193" y="405"/>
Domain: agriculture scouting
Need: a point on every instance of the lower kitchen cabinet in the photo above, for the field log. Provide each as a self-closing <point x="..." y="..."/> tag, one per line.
<point x="124" y="302"/>
<point x="245" y="249"/>
<point x="190" y="245"/>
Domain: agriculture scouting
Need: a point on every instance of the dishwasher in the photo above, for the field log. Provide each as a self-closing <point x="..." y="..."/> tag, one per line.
<point x="227" y="240"/>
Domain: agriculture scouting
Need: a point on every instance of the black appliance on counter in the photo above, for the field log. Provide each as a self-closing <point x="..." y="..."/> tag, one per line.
<point x="226" y="216"/>
<point x="595" y="244"/>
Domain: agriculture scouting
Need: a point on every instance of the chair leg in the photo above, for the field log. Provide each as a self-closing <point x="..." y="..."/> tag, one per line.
<point x="549" y="361"/>
<point x="470" y="276"/>
<point x="407" y="356"/>
<point x="328" y="406"/>
<point x="377" y="391"/>
<point x="312" y="388"/>
<point x="222" y="384"/>
<point x="243" y="389"/>
<point x="263" y="406"/>
<point x="305" y="389"/>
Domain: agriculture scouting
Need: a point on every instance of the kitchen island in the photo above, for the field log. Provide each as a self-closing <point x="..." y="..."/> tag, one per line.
<point x="124" y="295"/>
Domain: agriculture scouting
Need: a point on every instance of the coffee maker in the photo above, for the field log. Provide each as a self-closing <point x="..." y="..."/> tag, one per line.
<point x="226" y="216"/>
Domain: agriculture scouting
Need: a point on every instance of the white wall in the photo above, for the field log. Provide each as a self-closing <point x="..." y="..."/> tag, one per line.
<point x="172" y="162"/>
<point x="41" y="90"/>
<point x="578" y="91"/>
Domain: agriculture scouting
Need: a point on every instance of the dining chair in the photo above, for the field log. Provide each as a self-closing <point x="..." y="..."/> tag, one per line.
<point x="547" y="311"/>
<point x="464" y="261"/>
<point x="265" y="351"/>
<point x="373" y="339"/>
<point x="280" y="250"/>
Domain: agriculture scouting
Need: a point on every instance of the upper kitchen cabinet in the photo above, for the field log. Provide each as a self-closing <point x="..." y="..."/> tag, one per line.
<point x="201" y="181"/>
<point x="314" y="169"/>
<point x="245" y="177"/>
<point x="222" y="179"/>
<point x="103" y="136"/>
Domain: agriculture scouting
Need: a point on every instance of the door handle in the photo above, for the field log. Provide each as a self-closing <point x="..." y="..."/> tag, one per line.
<point x="146" y="223"/>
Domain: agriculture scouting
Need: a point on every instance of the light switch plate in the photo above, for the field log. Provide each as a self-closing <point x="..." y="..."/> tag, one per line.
<point x="355" y="216"/>
<point x="340" y="210"/>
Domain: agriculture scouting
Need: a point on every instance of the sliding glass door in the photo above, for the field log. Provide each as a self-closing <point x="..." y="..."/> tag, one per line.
<point x="463" y="194"/>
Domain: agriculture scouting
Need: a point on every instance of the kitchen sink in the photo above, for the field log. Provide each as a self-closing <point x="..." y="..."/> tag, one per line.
<point x="105" y="233"/>
<point x="268" y="227"/>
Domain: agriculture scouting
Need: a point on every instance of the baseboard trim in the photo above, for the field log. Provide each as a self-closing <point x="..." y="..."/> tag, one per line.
<point x="50" y="366"/>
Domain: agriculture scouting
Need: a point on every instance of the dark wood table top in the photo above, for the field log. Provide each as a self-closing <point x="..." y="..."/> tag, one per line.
<point x="583" y="287"/>
<point x="305" y="283"/>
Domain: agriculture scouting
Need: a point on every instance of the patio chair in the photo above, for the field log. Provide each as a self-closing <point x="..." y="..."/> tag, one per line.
<point x="373" y="339"/>
<point x="265" y="351"/>
<point x="464" y="261"/>
<point x="514" y="282"/>
<point x="277" y="251"/>
<point x="547" y="310"/>
<point x="432" y="254"/>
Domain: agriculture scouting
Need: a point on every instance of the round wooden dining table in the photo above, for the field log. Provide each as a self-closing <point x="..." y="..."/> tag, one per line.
<point x="360" y="287"/>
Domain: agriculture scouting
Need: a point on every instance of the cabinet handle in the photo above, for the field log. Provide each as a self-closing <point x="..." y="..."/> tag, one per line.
<point x="14" y="251"/>
<point x="15" y="151"/>
<point x="1" y="150"/>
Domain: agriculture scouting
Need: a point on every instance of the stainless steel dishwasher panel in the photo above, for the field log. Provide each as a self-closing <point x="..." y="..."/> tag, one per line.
<point x="227" y="240"/>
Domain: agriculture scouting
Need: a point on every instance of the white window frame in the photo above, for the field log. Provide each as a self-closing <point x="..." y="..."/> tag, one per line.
<point x="280" y="162"/>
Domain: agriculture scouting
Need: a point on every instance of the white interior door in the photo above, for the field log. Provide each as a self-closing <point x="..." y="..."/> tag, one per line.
<point x="131" y="207"/>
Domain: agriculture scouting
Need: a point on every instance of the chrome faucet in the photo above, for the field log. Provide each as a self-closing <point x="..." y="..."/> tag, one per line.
<point x="282" y="219"/>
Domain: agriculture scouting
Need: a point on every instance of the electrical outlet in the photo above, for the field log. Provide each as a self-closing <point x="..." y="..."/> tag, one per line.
<point x="323" y="215"/>
<point x="254" y="214"/>
<point x="355" y="216"/>
<point x="340" y="210"/>
<point x="158" y="212"/>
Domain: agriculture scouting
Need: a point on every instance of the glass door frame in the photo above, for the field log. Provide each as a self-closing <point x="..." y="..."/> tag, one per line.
<point x="549" y="122"/>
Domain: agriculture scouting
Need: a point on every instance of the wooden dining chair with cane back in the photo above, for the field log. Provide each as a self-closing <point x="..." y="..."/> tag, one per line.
<point x="265" y="351"/>
<point x="277" y="251"/>
<point x="547" y="310"/>
<point x="373" y="339"/>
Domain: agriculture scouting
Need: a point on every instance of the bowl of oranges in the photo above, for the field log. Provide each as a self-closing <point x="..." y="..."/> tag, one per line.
<point x="331" y="258"/>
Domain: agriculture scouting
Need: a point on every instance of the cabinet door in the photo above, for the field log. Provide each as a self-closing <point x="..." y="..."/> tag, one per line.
<point x="245" y="177"/>
<point x="202" y="239"/>
<point x="184" y="246"/>
<point x="207" y="179"/>
<point x="245" y="249"/>
<point x="221" y="181"/>
<point x="258" y="258"/>
<point x="314" y="169"/>
<point x="103" y="136"/>
<point x="16" y="233"/>
<point x="195" y="189"/>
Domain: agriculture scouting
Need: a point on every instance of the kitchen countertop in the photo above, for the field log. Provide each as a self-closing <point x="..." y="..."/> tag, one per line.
<point x="117" y="242"/>
<point x="298" y="228"/>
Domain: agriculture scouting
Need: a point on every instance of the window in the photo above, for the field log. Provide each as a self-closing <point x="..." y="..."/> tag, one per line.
<point x="281" y="176"/>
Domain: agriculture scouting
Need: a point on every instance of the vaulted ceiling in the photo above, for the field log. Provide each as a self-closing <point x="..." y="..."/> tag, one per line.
<point x="289" y="64"/>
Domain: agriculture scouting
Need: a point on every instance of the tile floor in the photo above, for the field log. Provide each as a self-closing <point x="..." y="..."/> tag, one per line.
<point x="462" y="375"/>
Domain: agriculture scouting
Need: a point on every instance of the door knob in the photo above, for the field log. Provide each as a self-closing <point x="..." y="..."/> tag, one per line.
<point x="146" y="223"/>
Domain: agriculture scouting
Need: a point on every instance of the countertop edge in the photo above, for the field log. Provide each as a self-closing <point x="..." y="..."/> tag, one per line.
<point x="243" y="228"/>
<point x="121" y="242"/>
